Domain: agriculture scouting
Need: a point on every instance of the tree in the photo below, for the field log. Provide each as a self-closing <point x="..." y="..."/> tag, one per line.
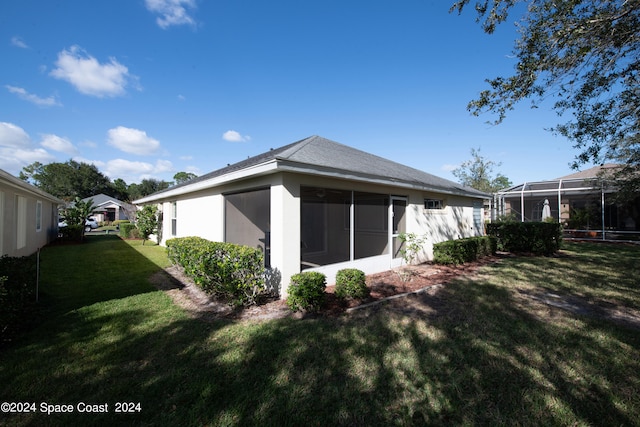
<point x="585" y="54"/>
<point x="146" y="187"/>
<point x="147" y="221"/>
<point x="182" y="177"/>
<point x="120" y="190"/>
<point x="76" y="214"/>
<point x="477" y="173"/>
<point x="67" y="180"/>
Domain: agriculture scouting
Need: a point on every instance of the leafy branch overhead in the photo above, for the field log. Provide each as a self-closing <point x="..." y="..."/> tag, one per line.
<point x="586" y="56"/>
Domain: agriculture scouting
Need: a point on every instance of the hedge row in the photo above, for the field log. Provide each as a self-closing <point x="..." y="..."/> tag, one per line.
<point x="464" y="250"/>
<point x="539" y="238"/>
<point x="17" y="294"/>
<point x="128" y="230"/>
<point x="227" y="271"/>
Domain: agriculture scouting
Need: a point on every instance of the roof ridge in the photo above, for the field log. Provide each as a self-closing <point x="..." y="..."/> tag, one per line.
<point x="297" y="146"/>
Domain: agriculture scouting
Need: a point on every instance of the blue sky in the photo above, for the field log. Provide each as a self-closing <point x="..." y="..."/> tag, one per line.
<point x="148" y="88"/>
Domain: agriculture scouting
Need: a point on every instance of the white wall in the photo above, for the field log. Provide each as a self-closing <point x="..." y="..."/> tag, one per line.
<point x="202" y="214"/>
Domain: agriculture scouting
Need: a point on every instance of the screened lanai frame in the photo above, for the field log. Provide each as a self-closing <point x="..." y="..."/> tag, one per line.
<point x="562" y="196"/>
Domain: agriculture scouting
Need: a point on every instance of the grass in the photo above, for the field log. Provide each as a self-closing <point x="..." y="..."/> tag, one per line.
<point x="480" y="354"/>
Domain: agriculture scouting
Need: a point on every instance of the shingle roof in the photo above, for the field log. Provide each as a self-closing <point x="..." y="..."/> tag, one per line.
<point x="316" y="152"/>
<point x="593" y="172"/>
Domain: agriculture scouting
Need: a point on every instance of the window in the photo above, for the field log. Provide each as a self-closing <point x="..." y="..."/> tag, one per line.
<point x="174" y="218"/>
<point x="248" y="220"/>
<point x="21" y="222"/>
<point x="38" y="215"/>
<point x="433" y="204"/>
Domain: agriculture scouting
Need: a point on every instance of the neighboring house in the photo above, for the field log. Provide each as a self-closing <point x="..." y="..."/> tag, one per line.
<point x="111" y="209"/>
<point x="320" y="205"/>
<point x="583" y="200"/>
<point x="28" y="216"/>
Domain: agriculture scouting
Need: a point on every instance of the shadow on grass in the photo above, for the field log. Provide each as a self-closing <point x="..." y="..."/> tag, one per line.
<point x="473" y="355"/>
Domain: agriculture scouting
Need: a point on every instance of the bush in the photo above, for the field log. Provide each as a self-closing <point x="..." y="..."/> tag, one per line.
<point x="17" y="294"/>
<point x="119" y="222"/>
<point x="71" y="233"/>
<point x="350" y="283"/>
<point x="234" y="273"/>
<point x="464" y="250"/>
<point x="306" y="291"/>
<point x="127" y="229"/>
<point x="539" y="238"/>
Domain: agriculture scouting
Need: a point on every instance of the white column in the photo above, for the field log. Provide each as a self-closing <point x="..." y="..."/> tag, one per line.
<point x="285" y="229"/>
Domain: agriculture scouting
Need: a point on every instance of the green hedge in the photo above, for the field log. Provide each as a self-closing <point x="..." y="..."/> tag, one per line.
<point x="128" y="230"/>
<point x="17" y="294"/>
<point x="464" y="250"/>
<point x="71" y="233"/>
<point x="227" y="271"/>
<point x="351" y="283"/>
<point x="307" y="291"/>
<point x="539" y="238"/>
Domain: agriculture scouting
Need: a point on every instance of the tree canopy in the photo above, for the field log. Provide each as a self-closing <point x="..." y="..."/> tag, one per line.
<point x="478" y="173"/>
<point x="585" y="55"/>
<point x="67" y="180"/>
<point x="71" y="180"/>
<point x="182" y="177"/>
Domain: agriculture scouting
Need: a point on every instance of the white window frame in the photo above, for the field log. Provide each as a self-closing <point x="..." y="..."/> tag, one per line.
<point x="433" y="204"/>
<point x="38" y="215"/>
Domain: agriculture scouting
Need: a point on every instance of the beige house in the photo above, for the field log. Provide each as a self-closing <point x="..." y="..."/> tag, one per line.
<point x="28" y="217"/>
<point x="317" y="205"/>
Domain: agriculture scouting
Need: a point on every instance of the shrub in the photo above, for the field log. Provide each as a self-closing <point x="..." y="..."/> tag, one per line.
<point x="234" y="273"/>
<point x="17" y="294"/>
<point x="464" y="250"/>
<point x="126" y="230"/>
<point x="306" y="291"/>
<point x="350" y="283"/>
<point x="119" y="222"/>
<point x="71" y="233"/>
<point x="539" y="238"/>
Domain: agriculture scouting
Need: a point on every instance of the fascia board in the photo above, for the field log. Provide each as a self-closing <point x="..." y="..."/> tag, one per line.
<point x="257" y="170"/>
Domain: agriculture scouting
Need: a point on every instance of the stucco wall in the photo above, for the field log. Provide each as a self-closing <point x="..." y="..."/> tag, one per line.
<point x="34" y="238"/>
<point x="202" y="214"/>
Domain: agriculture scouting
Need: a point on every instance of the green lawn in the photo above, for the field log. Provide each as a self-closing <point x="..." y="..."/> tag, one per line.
<point x="481" y="354"/>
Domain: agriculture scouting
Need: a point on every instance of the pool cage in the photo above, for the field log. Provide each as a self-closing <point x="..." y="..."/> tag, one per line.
<point x="586" y="207"/>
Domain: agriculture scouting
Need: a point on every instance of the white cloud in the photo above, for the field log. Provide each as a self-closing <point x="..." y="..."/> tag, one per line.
<point x="132" y="171"/>
<point x="89" y="76"/>
<point x="449" y="168"/>
<point x="13" y="136"/>
<point x="35" y="99"/>
<point x="233" y="136"/>
<point x="132" y="141"/>
<point x="57" y="143"/>
<point x="171" y="12"/>
<point x="13" y="160"/>
<point x="18" y="42"/>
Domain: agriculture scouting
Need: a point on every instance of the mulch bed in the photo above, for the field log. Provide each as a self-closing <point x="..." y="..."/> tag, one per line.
<point x="402" y="280"/>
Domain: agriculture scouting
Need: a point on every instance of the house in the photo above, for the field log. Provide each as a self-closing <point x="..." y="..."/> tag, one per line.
<point x="319" y="205"/>
<point x="111" y="209"/>
<point x="28" y="217"/>
<point x="582" y="201"/>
